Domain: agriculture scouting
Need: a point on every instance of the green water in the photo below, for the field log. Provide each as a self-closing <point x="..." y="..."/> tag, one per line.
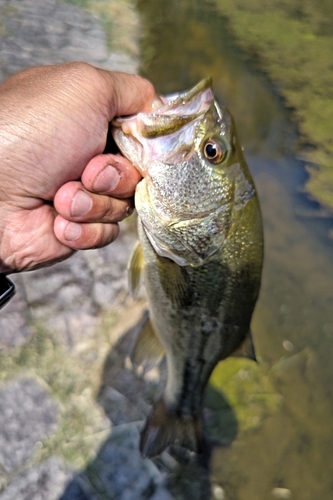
<point x="278" y="443"/>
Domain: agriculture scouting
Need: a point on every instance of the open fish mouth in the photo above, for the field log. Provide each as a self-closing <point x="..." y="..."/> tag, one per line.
<point x="167" y="132"/>
<point x="172" y="113"/>
<point x="182" y="201"/>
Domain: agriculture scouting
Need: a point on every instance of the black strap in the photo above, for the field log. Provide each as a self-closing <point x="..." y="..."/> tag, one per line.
<point x="7" y="290"/>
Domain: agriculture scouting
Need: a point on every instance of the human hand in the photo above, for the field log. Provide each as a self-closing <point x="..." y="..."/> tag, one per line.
<point x="58" y="193"/>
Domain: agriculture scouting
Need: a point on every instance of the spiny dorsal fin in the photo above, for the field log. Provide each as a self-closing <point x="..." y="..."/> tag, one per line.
<point x="164" y="427"/>
<point x="246" y="349"/>
<point x="134" y="270"/>
<point x="148" y="350"/>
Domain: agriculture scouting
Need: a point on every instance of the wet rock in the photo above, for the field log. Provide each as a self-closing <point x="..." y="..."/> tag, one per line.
<point x="44" y="482"/>
<point x="27" y="416"/>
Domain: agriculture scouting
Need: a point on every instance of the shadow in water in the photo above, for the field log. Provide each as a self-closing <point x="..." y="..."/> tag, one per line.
<point x="118" y="470"/>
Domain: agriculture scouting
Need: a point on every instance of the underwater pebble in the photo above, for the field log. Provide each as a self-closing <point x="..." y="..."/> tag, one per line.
<point x="218" y="493"/>
<point x="152" y="375"/>
<point x="282" y="493"/>
<point x="328" y="329"/>
<point x="288" y="346"/>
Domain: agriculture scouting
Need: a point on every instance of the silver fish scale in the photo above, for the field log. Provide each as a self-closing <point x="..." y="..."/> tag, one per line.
<point x="191" y="187"/>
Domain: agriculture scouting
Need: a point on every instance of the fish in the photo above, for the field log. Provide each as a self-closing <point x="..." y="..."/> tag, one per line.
<point x="200" y="251"/>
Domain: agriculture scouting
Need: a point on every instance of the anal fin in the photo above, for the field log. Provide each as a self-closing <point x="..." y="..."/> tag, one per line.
<point x="148" y="350"/>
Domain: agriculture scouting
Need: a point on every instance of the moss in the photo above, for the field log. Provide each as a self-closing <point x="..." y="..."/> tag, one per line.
<point x="292" y="43"/>
<point x="247" y="389"/>
<point x="72" y="377"/>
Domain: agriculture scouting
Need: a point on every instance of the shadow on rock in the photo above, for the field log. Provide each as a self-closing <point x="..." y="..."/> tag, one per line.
<point x="119" y="471"/>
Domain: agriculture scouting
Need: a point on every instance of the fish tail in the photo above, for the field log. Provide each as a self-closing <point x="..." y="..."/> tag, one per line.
<point x="163" y="427"/>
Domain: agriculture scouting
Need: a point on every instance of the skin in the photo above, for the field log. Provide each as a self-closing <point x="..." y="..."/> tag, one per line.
<point x="58" y="191"/>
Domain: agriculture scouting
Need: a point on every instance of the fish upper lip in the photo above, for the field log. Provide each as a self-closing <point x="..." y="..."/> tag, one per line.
<point x="176" y="104"/>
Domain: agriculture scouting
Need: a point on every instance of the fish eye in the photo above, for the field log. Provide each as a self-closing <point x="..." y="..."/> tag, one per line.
<point x="214" y="152"/>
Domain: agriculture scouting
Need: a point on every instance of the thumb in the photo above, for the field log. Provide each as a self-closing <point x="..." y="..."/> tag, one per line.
<point x="128" y="94"/>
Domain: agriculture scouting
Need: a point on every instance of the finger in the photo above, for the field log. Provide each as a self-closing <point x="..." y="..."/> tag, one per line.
<point x="83" y="236"/>
<point x="75" y="203"/>
<point x="128" y="94"/>
<point x="111" y="174"/>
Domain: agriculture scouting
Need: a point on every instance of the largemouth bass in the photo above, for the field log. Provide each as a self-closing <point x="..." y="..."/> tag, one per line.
<point x="200" y="250"/>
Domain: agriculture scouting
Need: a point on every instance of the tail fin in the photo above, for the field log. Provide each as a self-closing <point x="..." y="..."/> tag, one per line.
<point x="164" y="427"/>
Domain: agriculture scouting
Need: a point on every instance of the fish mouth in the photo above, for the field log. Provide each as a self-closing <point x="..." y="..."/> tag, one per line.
<point x="170" y="115"/>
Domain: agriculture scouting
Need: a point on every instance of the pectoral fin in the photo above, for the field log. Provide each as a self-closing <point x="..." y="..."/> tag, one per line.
<point x="246" y="349"/>
<point x="134" y="269"/>
<point x="175" y="282"/>
<point x="148" y="350"/>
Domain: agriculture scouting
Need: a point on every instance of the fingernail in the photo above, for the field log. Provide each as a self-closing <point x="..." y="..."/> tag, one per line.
<point x="73" y="231"/>
<point x="107" y="180"/>
<point x="157" y="103"/>
<point x="81" y="204"/>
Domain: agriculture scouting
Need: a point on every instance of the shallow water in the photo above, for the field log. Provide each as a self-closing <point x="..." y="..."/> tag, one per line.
<point x="283" y="406"/>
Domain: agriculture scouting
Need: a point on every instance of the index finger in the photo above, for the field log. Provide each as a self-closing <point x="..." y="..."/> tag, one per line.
<point x="128" y="94"/>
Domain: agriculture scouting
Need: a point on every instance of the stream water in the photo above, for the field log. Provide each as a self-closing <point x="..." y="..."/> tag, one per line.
<point x="273" y="433"/>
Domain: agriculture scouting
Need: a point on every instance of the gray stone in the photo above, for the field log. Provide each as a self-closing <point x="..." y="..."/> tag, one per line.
<point x="120" y="409"/>
<point x="76" y="490"/>
<point x="15" y="319"/>
<point x="69" y="296"/>
<point x="38" y="32"/>
<point x="161" y="494"/>
<point x="127" y="392"/>
<point x="27" y="416"/>
<point x="45" y="482"/>
<point x="119" y="471"/>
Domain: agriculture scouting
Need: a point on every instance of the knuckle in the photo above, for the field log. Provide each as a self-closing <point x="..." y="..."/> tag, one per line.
<point x="103" y="235"/>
